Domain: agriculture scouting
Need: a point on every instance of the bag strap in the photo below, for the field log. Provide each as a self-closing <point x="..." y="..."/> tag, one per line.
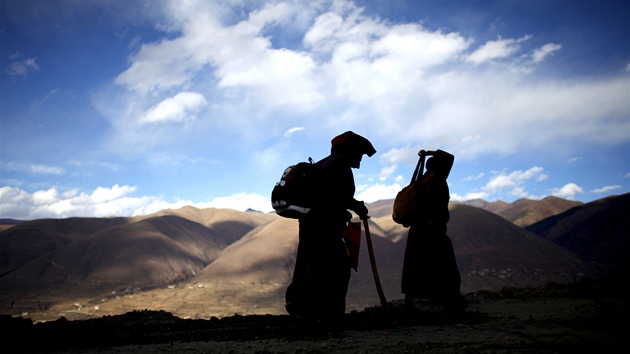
<point x="419" y="171"/>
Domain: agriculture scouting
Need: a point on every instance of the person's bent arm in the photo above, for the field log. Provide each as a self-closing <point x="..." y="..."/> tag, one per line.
<point x="443" y="163"/>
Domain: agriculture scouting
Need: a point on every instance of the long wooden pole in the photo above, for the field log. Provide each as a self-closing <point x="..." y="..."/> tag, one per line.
<point x="377" y="280"/>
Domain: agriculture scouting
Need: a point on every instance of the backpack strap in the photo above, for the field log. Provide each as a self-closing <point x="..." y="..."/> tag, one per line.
<point x="419" y="171"/>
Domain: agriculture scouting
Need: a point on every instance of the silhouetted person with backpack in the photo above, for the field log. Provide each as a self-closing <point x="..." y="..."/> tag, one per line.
<point x="429" y="268"/>
<point x="322" y="267"/>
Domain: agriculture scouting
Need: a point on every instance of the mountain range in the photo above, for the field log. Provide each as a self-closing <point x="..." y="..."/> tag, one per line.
<point x="214" y="262"/>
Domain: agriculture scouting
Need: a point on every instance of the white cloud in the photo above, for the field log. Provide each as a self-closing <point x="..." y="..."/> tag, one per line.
<point x="513" y="184"/>
<point x="15" y="203"/>
<point x="88" y="163"/>
<point x="290" y="132"/>
<point x="469" y="196"/>
<point x="474" y="178"/>
<point x="107" y="202"/>
<point x="541" y="53"/>
<point x="240" y="56"/>
<point x="46" y="197"/>
<point x="33" y="168"/>
<point x="50" y="203"/>
<point x="398" y="80"/>
<point x="499" y="49"/>
<point x="521" y="114"/>
<point x="377" y="192"/>
<point x="276" y="78"/>
<point x="519" y="192"/>
<point x="258" y="69"/>
<point x="158" y="66"/>
<point x="606" y="189"/>
<point x="387" y="171"/>
<point x="369" y="59"/>
<point x="407" y="155"/>
<point x="47" y="170"/>
<point x="21" y="67"/>
<point x="514" y="180"/>
<point x="239" y="201"/>
<point x="182" y="106"/>
<point x="568" y="191"/>
<point x="102" y="195"/>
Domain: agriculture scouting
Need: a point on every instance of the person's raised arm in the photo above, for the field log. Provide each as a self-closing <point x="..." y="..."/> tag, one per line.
<point x="442" y="163"/>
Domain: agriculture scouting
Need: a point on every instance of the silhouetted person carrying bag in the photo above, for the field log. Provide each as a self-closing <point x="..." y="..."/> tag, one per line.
<point x="322" y="268"/>
<point x="429" y="268"/>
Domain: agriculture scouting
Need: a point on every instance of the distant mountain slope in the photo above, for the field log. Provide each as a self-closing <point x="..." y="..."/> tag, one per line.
<point x="10" y="221"/>
<point x="380" y="208"/>
<point x="495" y="207"/>
<point x="525" y="212"/>
<point x="522" y="212"/>
<point x="146" y="253"/>
<point x="492" y="252"/>
<point x="598" y="231"/>
<point x="6" y="224"/>
<point x="265" y="254"/>
<point x="231" y="224"/>
<point x="225" y="271"/>
<point x="57" y="259"/>
<point x="32" y="239"/>
<point x="40" y="241"/>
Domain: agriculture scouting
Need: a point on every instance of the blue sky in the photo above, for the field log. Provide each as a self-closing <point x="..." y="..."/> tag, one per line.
<point x="120" y="108"/>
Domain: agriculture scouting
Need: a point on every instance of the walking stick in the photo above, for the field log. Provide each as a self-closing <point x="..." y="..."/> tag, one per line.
<point x="377" y="280"/>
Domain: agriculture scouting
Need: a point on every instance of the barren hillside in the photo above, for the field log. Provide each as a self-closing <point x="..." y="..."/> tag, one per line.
<point x="201" y="263"/>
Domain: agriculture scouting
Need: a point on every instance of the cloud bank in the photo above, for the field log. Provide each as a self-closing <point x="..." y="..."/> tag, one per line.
<point x="247" y="85"/>
<point x="401" y="81"/>
<point x="108" y="202"/>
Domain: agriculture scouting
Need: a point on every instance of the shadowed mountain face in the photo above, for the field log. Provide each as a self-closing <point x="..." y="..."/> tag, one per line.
<point x="146" y="253"/>
<point x="492" y="253"/>
<point x="599" y="232"/>
<point x="214" y="262"/>
<point x="30" y="240"/>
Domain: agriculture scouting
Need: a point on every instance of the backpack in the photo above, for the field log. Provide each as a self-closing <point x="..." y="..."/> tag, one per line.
<point x="408" y="203"/>
<point x="292" y="196"/>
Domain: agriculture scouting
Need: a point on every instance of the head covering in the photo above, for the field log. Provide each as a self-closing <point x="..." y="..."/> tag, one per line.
<point x="350" y="143"/>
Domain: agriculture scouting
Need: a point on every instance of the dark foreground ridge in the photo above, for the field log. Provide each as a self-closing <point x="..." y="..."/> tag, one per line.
<point x="577" y="318"/>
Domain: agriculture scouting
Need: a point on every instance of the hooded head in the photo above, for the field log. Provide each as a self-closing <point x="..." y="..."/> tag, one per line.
<point x="352" y="146"/>
<point x="350" y="143"/>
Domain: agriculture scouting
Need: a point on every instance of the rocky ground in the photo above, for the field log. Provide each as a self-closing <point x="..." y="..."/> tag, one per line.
<point x="586" y="317"/>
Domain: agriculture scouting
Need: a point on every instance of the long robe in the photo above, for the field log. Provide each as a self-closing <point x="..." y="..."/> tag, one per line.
<point x="429" y="267"/>
<point x="322" y="268"/>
